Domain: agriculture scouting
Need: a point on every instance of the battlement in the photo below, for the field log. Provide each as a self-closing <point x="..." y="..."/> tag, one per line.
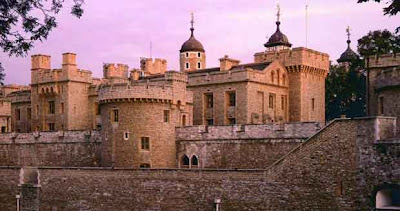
<point x="23" y="96"/>
<point x="384" y="61"/>
<point x="135" y="92"/>
<point x="295" y="56"/>
<point x="159" y="66"/>
<point x="299" y="130"/>
<point x="50" y="137"/>
<point x="42" y="72"/>
<point x="176" y="76"/>
<point x="110" y="70"/>
<point x="388" y="78"/>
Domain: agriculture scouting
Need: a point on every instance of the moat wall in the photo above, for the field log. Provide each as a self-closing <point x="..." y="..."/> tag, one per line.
<point x="63" y="148"/>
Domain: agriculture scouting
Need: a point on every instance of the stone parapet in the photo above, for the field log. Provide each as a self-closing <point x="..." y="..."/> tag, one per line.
<point x="388" y="78"/>
<point x="383" y="61"/>
<point x="50" y="137"/>
<point x="142" y="91"/>
<point x="20" y="96"/>
<point x="232" y="132"/>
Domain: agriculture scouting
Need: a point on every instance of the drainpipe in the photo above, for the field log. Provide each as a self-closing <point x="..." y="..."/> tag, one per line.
<point x="17" y="197"/>
<point x="217" y="204"/>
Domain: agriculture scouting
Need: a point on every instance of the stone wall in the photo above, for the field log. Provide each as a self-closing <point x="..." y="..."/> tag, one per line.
<point x="240" y="146"/>
<point x="69" y="148"/>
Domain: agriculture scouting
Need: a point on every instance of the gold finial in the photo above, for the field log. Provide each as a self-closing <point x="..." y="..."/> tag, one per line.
<point x="278" y="14"/>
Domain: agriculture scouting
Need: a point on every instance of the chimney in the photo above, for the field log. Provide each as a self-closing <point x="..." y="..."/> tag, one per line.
<point x="227" y="63"/>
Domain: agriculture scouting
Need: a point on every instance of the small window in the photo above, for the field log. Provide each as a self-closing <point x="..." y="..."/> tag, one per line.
<point x="284" y="79"/>
<point x="210" y="121"/>
<point x="51" y="127"/>
<point x="126" y="135"/>
<point x="51" y="107"/>
<point x="272" y="77"/>
<point x="144" y="166"/>
<point x="283" y="103"/>
<point x="17" y="114"/>
<point x="98" y="111"/>
<point x="29" y="113"/>
<point x="381" y="101"/>
<point x="115" y="117"/>
<point x="3" y="129"/>
<point x="185" y="161"/>
<point x="62" y="108"/>
<point x="313" y="104"/>
<point x="184" y="120"/>
<point x="187" y="55"/>
<point x="199" y="55"/>
<point x="145" y="143"/>
<point x="231" y="121"/>
<point x="195" y="161"/>
<point x="232" y="98"/>
<point x="166" y="115"/>
<point x="209" y="100"/>
<point x="187" y="65"/>
<point x="198" y="65"/>
<point x="271" y="102"/>
<point x="37" y="110"/>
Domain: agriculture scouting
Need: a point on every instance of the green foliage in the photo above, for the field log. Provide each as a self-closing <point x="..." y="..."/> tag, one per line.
<point x="2" y="75"/>
<point x="392" y="9"/>
<point x="378" y="42"/>
<point x="345" y="91"/>
<point x="22" y="22"/>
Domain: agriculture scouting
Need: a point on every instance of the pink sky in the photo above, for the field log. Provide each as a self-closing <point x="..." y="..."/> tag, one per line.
<point x="121" y="32"/>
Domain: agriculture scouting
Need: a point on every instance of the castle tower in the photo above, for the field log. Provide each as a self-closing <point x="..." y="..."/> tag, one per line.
<point x="307" y="70"/>
<point x="192" y="54"/>
<point x="278" y="41"/>
<point x="348" y="55"/>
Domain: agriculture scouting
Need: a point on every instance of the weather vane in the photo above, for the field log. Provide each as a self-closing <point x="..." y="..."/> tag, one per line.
<point x="348" y="32"/>
<point x="192" y="21"/>
<point x="278" y="14"/>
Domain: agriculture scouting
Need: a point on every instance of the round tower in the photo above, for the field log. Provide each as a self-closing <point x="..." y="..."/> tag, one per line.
<point x="192" y="55"/>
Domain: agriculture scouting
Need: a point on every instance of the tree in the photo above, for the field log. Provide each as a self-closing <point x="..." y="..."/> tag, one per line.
<point x="378" y="42"/>
<point x="392" y="9"/>
<point x="2" y="75"/>
<point x="345" y="91"/>
<point x="21" y="26"/>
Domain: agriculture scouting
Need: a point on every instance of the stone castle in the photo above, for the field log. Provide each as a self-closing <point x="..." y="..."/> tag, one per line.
<point x="235" y="137"/>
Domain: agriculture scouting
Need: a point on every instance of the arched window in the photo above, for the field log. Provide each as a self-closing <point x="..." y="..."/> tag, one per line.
<point x="184" y="120"/>
<point x="144" y="166"/>
<point x="284" y="79"/>
<point x="185" y="161"/>
<point x="278" y="76"/>
<point x="47" y="90"/>
<point x="195" y="161"/>
<point x="272" y="77"/>
<point x="51" y="89"/>
<point x="42" y="90"/>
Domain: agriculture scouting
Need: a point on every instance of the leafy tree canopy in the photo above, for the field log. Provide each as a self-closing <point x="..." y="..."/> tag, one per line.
<point x="392" y="9"/>
<point x="23" y="22"/>
<point x="378" y="42"/>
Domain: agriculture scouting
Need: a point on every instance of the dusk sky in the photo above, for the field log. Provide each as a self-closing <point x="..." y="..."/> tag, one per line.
<point x="121" y="31"/>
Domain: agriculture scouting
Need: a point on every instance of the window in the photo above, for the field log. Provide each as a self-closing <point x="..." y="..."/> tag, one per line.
<point x="51" y="107"/>
<point x="144" y="166"/>
<point x="199" y="55"/>
<point x="339" y="188"/>
<point x="209" y="100"/>
<point x="17" y="114"/>
<point x="271" y="102"/>
<point x="37" y="110"/>
<point x="381" y="101"/>
<point x="195" y="161"/>
<point x="187" y="55"/>
<point x="185" y="161"/>
<point x="28" y="113"/>
<point x="284" y="79"/>
<point x="184" y="120"/>
<point x="3" y="129"/>
<point x="62" y="108"/>
<point x="166" y="115"/>
<point x="126" y="135"/>
<point x="282" y="102"/>
<point x="388" y="198"/>
<point x="232" y="98"/>
<point x="198" y="65"/>
<point x="272" y="77"/>
<point x="313" y="104"/>
<point x="231" y="121"/>
<point x="277" y="75"/>
<point x="187" y="65"/>
<point x="98" y="111"/>
<point x="52" y="127"/>
<point x="145" y="145"/>
<point x="210" y="121"/>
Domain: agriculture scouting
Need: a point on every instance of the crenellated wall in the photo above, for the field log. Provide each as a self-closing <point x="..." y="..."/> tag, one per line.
<point x="62" y="148"/>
